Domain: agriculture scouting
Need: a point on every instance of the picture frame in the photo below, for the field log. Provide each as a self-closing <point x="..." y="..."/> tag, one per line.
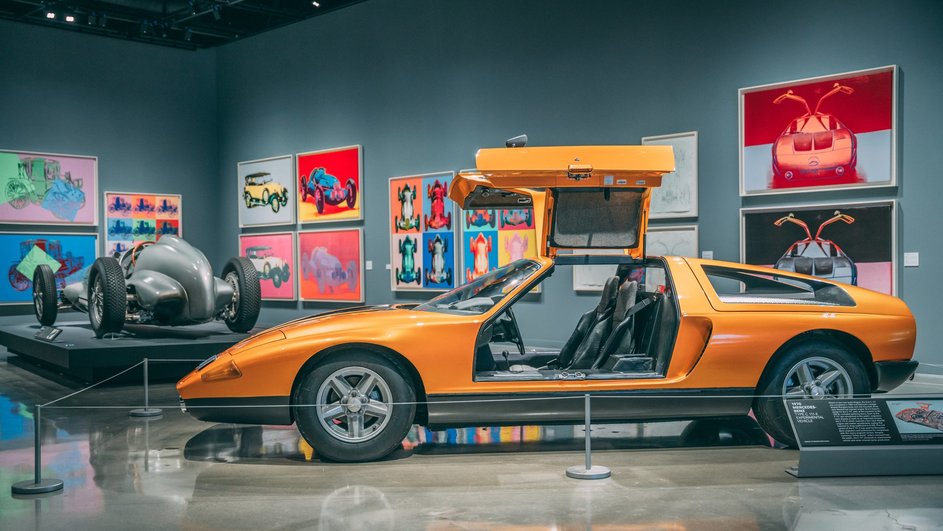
<point x="131" y="217"/>
<point x="346" y="163"/>
<point x="274" y="255"/>
<point x="677" y="197"/>
<point x="418" y="232"/>
<point x="257" y="204"/>
<point x="865" y="247"/>
<point x="64" y="192"/>
<point x="340" y="250"/>
<point x="851" y="143"/>
<point x="74" y="252"/>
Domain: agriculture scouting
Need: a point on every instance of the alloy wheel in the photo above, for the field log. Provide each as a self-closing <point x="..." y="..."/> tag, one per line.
<point x="817" y="377"/>
<point x="354" y="404"/>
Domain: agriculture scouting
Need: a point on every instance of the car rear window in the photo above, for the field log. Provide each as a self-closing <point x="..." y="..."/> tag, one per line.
<point x="737" y="286"/>
<point x="596" y="218"/>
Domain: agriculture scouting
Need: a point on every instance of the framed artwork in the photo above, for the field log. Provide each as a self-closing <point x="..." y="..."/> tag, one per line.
<point x="273" y="255"/>
<point x="677" y="195"/>
<point x="329" y="185"/>
<point x="667" y="240"/>
<point x="821" y="133"/>
<point x="69" y="255"/>
<point x="48" y="189"/>
<point x="422" y="233"/>
<point x="854" y="242"/>
<point x="137" y="217"/>
<point x="330" y="263"/>
<point x="492" y="238"/>
<point x="266" y="191"/>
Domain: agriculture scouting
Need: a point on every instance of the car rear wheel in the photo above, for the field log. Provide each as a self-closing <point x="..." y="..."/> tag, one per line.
<point x="356" y="407"/>
<point x="811" y="370"/>
<point x="107" y="296"/>
<point x="351" y="194"/>
<point x="304" y="189"/>
<point x="243" y="309"/>
<point x="45" y="300"/>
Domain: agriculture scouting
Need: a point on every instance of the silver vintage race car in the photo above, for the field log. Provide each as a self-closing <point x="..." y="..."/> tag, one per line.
<point x="168" y="282"/>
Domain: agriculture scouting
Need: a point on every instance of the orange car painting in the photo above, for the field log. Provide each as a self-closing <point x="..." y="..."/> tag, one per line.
<point x="715" y="339"/>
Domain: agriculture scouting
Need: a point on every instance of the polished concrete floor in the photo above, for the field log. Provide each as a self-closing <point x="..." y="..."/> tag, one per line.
<point x="175" y="472"/>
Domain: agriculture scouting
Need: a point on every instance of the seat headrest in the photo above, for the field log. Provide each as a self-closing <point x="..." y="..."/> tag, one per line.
<point x="624" y="300"/>
<point x="608" y="296"/>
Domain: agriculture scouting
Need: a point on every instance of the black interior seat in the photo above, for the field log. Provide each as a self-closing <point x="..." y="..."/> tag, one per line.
<point x="589" y="322"/>
<point x="620" y="338"/>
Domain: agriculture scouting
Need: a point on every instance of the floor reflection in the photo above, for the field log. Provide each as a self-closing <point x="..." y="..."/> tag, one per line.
<point x="231" y="443"/>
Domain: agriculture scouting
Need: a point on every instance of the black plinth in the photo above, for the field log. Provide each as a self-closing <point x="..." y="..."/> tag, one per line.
<point x="78" y="353"/>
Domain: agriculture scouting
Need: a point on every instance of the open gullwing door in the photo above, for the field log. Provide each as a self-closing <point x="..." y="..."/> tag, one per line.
<point x="584" y="197"/>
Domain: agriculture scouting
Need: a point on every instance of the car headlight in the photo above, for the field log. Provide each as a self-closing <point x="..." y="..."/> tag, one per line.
<point x="225" y="371"/>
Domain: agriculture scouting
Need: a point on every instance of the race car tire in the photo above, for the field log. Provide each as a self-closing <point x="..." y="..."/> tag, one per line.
<point x="783" y="376"/>
<point x="351" y="194"/>
<point x="304" y="189"/>
<point x="242" y="312"/>
<point x="107" y="296"/>
<point x="335" y="439"/>
<point x="276" y="278"/>
<point x="45" y="300"/>
<point x="319" y="199"/>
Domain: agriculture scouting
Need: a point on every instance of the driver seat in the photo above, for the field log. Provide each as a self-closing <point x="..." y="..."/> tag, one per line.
<point x="588" y="323"/>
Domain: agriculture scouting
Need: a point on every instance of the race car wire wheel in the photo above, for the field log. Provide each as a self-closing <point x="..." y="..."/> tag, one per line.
<point x="354" y="404"/>
<point x="817" y="377"/>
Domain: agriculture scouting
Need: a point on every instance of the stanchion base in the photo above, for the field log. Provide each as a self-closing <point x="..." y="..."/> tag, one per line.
<point x="152" y="412"/>
<point x="596" y="472"/>
<point x="30" y="487"/>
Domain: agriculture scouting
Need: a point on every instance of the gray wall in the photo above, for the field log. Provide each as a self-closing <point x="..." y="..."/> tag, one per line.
<point x="148" y="113"/>
<point x="422" y="84"/>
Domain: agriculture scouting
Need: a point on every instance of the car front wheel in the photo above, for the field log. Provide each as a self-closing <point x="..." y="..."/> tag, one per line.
<point x="45" y="295"/>
<point x="356" y="407"/>
<point x="809" y="370"/>
<point x="107" y="296"/>
<point x="243" y="309"/>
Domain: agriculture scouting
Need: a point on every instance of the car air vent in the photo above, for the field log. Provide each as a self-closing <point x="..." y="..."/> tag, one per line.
<point x="483" y="197"/>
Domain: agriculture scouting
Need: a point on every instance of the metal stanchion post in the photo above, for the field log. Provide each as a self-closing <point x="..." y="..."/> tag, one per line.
<point x="38" y="485"/>
<point x="147" y="411"/>
<point x="588" y="471"/>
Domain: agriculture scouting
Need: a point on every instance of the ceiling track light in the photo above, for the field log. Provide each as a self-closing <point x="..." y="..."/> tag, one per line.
<point x="92" y="18"/>
<point x="216" y="12"/>
<point x="103" y="20"/>
<point x="70" y="18"/>
<point x="50" y="15"/>
<point x="315" y="3"/>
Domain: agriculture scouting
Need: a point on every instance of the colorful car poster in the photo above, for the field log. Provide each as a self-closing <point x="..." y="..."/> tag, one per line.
<point x="492" y="238"/>
<point x="422" y="233"/>
<point x="329" y="185"/>
<point x="330" y="263"/>
<point x="266" y="191"/>
<point x="69" y="255"/>
<point x="821" y="133"/>
<point x="138" y="217"/>
<point x="854" y="243"/>
<point x="48" y="189"/>
<point x="273" y="255"/>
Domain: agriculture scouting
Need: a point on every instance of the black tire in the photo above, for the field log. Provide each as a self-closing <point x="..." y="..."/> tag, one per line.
<point x="275" y="203"/>
<point x="388" y="438"/>
<point x="351" y="194"/>
<point x="243" y="311"/>
<point x="248" y="200"/>
<point x="107" y="296"/>
<point x="276" y="278"/>
<point x="319" y="199"/>
<point x="45" y="295"/>
<point x="771" y="412"/>
<point x="304" y="189"/>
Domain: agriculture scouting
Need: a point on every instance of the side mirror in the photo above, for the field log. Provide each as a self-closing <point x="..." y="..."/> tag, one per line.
<point x="517" y="141"/>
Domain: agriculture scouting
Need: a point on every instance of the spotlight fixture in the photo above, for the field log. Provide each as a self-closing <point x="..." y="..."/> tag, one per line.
<point x="144" y="27"/>
<point x="70" y="18"/>
<point x="216" y="14"/>
<point x="315" y="3"/>
<point x="102" y="20"/>
<point x="188" y="35"/>
<point x="50" y="15"/>
<point x="92" y="18"/>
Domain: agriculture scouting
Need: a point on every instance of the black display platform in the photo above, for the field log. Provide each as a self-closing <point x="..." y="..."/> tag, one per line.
<point x="79" y="354"/>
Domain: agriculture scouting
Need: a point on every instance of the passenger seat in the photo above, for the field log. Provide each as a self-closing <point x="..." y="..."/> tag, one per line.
<point x="589" y="322"/>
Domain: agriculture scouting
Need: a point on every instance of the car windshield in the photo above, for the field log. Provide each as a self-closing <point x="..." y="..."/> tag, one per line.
<point x="479" y="295"/>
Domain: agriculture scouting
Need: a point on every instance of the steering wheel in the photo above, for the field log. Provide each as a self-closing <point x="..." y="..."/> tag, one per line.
<point x="515" y="330"/>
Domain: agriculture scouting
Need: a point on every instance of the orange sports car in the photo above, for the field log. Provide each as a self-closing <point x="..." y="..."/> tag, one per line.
<point x="669" y="337"/>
